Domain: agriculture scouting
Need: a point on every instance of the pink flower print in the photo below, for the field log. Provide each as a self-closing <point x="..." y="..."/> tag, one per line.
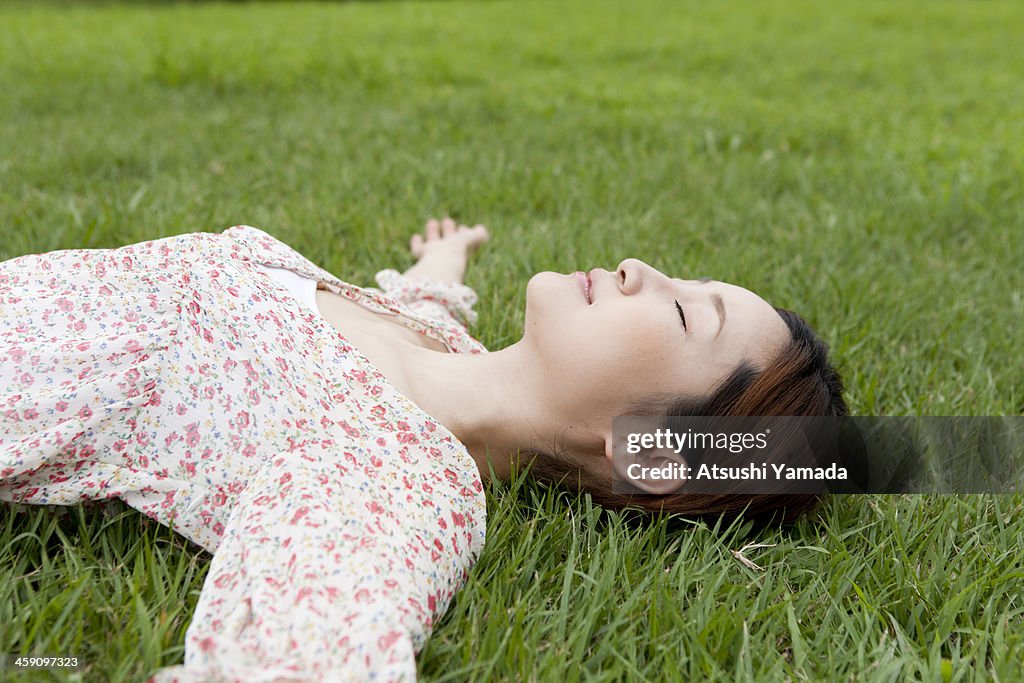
<point x="83" y="346"/>
<point x="16" y="354"/>
<point x="30" y="414"/>
<point x="85" y="412"/>
<point x="218" y="529"/>
<point x="303" y="593"/>
<point x="79" y="326"/>
<point x="207" y="335"/>
<point x="459" y="519"/>
<point x="180" y="409"/>
<point x="249" y="451"/>
<point x="64" y="305"/>
<point x="299" y="514"/>
<point x="133" y="346"/>
<point x="192" y="434"/>
<point x="450" y="476"/>
<point x="375" y="507"/>
<point x="242" y="419"/>
<point x="224" y="580"/>
<point x="388" y="639"/>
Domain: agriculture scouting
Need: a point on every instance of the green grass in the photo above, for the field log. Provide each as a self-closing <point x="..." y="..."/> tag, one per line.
<point x="859" y="163"/>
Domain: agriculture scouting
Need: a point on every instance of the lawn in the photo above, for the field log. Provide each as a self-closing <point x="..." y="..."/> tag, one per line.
<point x="860" y="163"/>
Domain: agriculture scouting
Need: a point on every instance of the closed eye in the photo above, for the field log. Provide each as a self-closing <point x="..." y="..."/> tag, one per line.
<point x="681" y="316"/>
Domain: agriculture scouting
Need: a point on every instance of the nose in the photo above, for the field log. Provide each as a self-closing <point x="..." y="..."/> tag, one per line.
<point x="631" y="273"/>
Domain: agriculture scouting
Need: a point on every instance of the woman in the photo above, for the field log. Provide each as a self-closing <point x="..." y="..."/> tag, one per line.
<point x="328" y="442"/>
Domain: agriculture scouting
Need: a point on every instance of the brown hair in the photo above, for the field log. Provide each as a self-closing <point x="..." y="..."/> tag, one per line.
<point x="799" y="382"/>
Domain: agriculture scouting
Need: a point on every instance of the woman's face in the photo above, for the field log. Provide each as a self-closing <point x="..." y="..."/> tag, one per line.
<point x="621" y="337"/>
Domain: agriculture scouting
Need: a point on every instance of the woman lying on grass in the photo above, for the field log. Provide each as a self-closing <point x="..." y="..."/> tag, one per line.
<point x="328" y="442"/>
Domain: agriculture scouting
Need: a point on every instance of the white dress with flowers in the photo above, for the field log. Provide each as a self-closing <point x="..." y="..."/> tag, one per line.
<point x="178" y="376"/>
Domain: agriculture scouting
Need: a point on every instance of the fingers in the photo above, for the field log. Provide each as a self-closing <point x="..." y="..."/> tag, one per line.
<point x="449" y="231"/>
<point x="447" y="227"/>
<point x="432" y="229"/>
<point x="477" y="235"/>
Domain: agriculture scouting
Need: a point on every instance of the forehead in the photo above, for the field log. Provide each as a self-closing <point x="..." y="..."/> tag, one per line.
<point x="726" y="290"/>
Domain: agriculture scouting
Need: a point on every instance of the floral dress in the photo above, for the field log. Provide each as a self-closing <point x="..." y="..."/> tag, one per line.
<point x="177" y="376"/>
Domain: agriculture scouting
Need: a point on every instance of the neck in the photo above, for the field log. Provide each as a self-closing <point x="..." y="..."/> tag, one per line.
<point x="494" y="403"/>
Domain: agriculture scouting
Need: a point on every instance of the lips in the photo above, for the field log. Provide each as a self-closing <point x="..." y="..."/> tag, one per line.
<point x="585" y="284"/>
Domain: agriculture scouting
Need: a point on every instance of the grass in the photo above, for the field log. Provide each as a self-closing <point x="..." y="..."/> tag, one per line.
<point x="861" y="164"/>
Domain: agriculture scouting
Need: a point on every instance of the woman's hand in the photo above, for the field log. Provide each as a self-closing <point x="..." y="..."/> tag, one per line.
<point x="444" y="248"/>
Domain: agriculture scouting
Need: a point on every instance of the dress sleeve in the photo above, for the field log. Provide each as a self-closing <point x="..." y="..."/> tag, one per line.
<point x="312" y="581"/>
<point x="446" y="301"/>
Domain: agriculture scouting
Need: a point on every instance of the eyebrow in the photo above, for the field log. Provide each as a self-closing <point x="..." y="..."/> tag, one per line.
<point x="720" y="309"/>
<point x="716" y="299"/>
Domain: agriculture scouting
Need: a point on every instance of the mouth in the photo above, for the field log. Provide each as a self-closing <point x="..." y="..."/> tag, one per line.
<point x="585" y="284"/>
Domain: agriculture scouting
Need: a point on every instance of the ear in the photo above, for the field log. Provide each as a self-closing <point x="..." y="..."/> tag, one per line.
<point x="657" y="471"/>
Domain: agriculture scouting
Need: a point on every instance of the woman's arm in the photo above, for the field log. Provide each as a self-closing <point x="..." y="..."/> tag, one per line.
<point x="444" y="250"/>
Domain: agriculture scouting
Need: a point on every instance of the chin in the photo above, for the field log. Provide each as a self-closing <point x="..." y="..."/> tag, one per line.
<point x="546" y="294"/>
<point x="545" y="286"/>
